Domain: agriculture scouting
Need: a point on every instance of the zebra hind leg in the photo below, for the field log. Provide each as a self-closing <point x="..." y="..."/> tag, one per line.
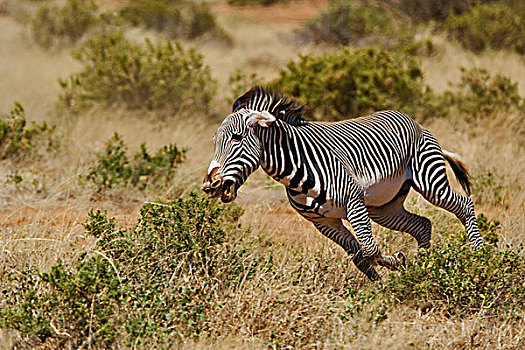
<point x="394" y="216"/>
<point x="459" y="205"/>
<point x="430" y="179"/>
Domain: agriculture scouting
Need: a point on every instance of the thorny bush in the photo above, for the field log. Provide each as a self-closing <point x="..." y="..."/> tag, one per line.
<point x="455" y="279"/>
<point x="114" y="167"/>
<point x="151" y="284"/>
<point x="182" y="271"/>
<point x="20" y="138"/>
<point x="480" y="95"/>
<point x="150" y="77"/>
<point x="359" y="23"/>
<point x="353" y="82"/>
<point x="496" y="26"/>
<point x="177" y="18"/>
<point x="53" y="26"/>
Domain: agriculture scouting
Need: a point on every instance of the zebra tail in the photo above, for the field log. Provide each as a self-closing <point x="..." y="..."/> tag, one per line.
<point x="460" y="170"/>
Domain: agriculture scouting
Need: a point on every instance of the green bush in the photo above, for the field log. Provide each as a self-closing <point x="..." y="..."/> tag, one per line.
<point x="114" y="166"/>
<point x="454" y="279"/>
<point x="183" y="270"/>
<point x="350" y="83"/>
<point x="54" y="26"/>
<point x="495" y="26"/>
<point x="479" y="94"/>
<point x="489" y="229"/>
<point x="444" y="279"/>
<point x="462" y="282"/>
<point x="176" y="18"/>
<point x="476" y="24"/>
<point x="425" y="10"/>
<point x="152" y="285"/>
<point x="81" y="302"/>
<point x="20" y="139"/>
<point x="150" y="77"/>
<point x="358" y="23"/>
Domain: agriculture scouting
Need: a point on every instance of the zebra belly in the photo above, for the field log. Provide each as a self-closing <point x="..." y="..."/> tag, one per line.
<point x="384" y="191"/>
<point x="310" y="207"/>
<point x="329" y="210"/>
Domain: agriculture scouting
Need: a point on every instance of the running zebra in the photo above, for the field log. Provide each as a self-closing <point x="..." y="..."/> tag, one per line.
<point x="353" y="170"/>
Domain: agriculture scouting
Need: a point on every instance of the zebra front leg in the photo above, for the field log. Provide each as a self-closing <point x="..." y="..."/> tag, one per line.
<point x="337" y="232"/>
<point x="357" y="215"/>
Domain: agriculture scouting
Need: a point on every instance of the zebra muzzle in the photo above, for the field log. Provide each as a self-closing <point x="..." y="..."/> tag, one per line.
<point x="213" y="191"/>
<point x="229" y="191"/>
<point x="216" y="186"/>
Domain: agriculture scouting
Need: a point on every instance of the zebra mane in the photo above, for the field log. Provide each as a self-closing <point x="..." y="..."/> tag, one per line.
<point x="281" y="107"/>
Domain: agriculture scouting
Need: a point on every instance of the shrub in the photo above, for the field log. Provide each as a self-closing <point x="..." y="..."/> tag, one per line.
<point x="183" y="271"/>
<point x="177" y="18"/>
<point x="81" y="302"/>
<point x="20" y="139"/>
<point x="458" y="280"/>
<point x="489" y="229"/>
<point x="462" y="282"/>
<point x="454" y="279"/>
<point x="150" y="77"/>
<point x="54" y="26"/>
<point x="496" y="26"/>
<point x="479" y="94"/>
<point x="152" y="285"/>
<point x="350" y="83"/>
<point x="358" y="23"/>
<point x="425" y="10"/>
<point x="114" y="166"/>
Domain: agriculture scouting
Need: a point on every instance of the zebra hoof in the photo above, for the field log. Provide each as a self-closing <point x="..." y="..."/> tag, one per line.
<point x="401" y="258"/>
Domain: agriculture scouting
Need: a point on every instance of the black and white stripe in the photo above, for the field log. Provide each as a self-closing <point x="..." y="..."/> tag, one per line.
<point x="357" y="170"/>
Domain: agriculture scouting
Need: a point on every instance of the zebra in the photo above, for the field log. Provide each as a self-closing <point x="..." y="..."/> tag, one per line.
<point x="353" y="170"/>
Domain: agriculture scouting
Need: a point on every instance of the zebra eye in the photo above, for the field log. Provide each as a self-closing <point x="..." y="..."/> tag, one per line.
<point x="236" y="137"/>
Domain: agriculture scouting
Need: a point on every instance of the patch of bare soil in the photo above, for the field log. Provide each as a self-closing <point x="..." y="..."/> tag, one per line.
<point x="107" y="4"/>
<point x="290" y="13"/>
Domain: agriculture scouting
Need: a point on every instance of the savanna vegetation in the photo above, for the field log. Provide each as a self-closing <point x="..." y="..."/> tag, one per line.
<point x="150" y="77"/>
<point x="107" y="109"/>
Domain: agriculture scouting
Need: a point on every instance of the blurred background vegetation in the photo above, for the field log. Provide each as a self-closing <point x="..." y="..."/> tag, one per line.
<point x="107" y="109"/>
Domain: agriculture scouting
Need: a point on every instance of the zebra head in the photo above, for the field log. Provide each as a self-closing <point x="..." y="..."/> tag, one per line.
<point x="239" y="140"/>
<point x="237" y="153"/>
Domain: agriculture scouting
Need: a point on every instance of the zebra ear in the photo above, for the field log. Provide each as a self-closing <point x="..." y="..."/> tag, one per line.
<point x="263" y="118"/>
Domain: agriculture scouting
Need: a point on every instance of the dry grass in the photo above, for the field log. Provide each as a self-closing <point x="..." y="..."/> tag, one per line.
<point x="29" y="75"/>
<point x="287" y="14"/>
<point x="41" y="224"/>
<point x="260" y="47"/>
<point x="443" y="67"/>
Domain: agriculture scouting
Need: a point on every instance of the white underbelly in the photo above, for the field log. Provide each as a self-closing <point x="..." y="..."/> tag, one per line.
<point x="329" y="210"/>
<point x="384" y="191"/>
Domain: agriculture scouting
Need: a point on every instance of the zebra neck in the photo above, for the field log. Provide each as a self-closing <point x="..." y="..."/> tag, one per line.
<point x="281" y="158"/>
